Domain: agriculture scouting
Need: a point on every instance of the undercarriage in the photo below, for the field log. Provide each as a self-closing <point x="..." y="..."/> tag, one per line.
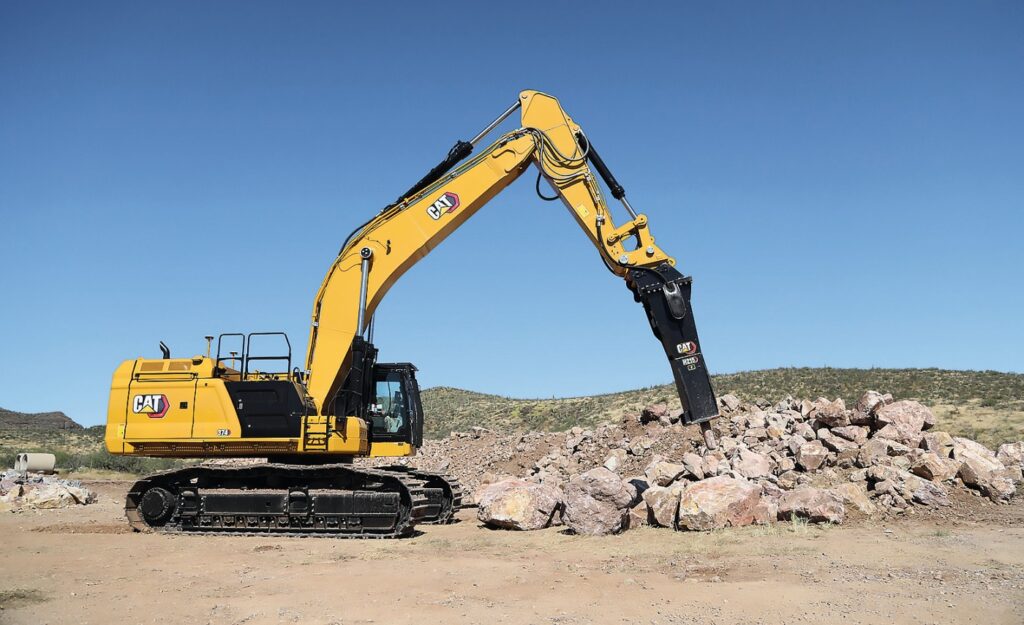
<point x="288" y="499"/>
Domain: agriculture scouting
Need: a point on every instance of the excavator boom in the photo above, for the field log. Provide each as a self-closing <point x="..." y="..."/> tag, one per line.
<point x="383" y="249"/>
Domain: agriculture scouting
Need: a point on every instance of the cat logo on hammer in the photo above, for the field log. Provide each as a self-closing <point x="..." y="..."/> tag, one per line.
<point x="447" y="203"/>
<point x="155" y="406"/>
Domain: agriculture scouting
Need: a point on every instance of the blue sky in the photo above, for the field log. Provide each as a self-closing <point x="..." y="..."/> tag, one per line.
<point x="843" y="180"/>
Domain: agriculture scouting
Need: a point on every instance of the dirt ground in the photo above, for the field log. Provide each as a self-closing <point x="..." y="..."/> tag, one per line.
<point x="83" y="565"/>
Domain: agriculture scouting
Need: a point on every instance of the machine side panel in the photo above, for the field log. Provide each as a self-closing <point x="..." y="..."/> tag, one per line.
<point x="269" y="409"/>
<point x="161" y="399"/>
<point x="215" y="415"/>
<point x="117" y="407"/>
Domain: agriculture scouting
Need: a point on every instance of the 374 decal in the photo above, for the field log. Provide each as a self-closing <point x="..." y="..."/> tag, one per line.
<point x="447" y="203"/>
<point x="154" y="406"/>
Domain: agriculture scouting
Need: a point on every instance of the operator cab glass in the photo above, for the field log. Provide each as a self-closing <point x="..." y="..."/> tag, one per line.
<point x="394" y="412"/>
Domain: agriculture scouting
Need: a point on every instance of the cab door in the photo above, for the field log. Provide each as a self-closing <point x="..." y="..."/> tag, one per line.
<point x="161" y="400"/>
<point x="395" y="414"/>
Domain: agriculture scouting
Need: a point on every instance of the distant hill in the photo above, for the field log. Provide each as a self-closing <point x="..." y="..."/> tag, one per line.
<point x="987" y="405"/>
<point x="12" y="420"/>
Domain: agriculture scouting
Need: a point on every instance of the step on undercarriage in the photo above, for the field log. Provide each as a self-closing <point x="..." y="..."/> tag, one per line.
<point x="282" y="499"/>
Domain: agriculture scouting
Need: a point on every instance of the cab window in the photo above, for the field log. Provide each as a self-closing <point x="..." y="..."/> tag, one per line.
<point x="388" y="414"/>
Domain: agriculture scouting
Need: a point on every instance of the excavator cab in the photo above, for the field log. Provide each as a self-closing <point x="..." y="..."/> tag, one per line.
<point x="395" y="414"/>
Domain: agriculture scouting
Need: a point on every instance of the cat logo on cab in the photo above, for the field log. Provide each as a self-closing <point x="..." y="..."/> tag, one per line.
<point x="155" y="406"/>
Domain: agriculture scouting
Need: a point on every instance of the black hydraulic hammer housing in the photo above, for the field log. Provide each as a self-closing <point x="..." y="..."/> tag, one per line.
<point x="665" y="294"/>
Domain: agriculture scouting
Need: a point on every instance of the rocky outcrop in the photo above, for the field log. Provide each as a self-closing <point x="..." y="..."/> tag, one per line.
<point x="10" y="419"/>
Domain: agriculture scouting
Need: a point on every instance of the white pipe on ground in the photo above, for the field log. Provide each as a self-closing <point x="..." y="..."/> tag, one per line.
<point x="36" y="463"/>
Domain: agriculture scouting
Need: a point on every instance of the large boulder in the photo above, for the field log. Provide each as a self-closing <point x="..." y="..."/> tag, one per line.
<point x="751" y="465"/>
<point x="830" y="414"/>
<point x="879" y="450"/>
<point x="941" y="443"/>
<point x="980" y="469"/>
<point x="814" y="504"/>
<point x="694" y="466"/>
<point x="663" y="504"/>
<point x="870" y="401"/>
<point x="907" y="486"/>
<point x="811" y="455"/>
<point x="1011" y="454"/>
<point x="663" y="473"/>
<point x="615" y="460"/>
<point x="931" y="466"/>
<point x="1012" y="457"/>
<point x="853" y="433"/>
<point x="597" y="503"/>
<point x="766" y="511"/>
<point x="729" y="402"/>
<point x="805" y="431"/>
<point x="855" y="494"/>
<point x="840" y="445"/>
<point x="903" y="421"/>
<point x="718" y="502"/>
<point x="519" y="505"/>
<point x="638" y="516"/>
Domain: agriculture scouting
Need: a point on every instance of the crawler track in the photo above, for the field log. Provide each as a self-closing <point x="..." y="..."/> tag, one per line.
<point x="443" y="491"/>
<point x="280" y="499"/>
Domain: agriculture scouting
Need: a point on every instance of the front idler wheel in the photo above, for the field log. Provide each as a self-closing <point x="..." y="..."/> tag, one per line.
<point x="157" y="506"/>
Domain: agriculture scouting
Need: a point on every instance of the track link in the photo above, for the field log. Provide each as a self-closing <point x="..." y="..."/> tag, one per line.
<point x="444" y="492"/>
<point x="279" y="500"/>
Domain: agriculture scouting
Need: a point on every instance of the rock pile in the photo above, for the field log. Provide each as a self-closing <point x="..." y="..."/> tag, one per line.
<point x="815" y="460"/>
<point x="28" y="491"/>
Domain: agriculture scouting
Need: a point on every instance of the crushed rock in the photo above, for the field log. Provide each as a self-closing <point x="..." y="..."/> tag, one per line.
<point x="799" y="458"/>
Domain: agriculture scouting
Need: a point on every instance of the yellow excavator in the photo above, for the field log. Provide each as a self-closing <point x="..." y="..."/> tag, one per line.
<point x="246" y="400"/>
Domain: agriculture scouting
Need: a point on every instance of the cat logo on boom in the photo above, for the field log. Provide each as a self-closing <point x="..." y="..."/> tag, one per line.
<point x="447" y="203"/>
<point x="153" y="405"/>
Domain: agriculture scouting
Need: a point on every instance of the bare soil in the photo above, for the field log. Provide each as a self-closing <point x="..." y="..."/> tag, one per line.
<point x="83" y="565"/>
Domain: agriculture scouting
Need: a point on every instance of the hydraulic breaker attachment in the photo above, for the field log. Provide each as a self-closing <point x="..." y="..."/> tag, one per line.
<point x="665" y="294"/>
